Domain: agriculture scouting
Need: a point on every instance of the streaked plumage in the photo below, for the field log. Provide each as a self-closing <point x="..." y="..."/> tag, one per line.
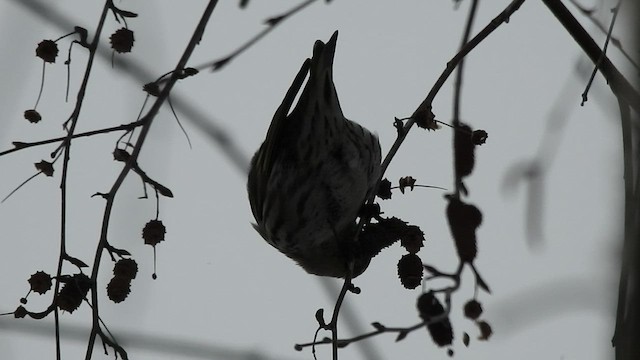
<point x="313" y="172"/>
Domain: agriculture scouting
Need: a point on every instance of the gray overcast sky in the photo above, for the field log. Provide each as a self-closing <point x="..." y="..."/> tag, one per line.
<point x="221" y="289"/>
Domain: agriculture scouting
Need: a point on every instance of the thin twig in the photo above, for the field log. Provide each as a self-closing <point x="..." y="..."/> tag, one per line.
<point x="271" y="23"/>
<point x="44" y="64"/>
<point x="380" y="329"/>
<point x="65" y="165"/>
<point x="19" y="145"/>
<point x="173" y="111"/>
<point x="21" y="185"/>
<point x="617" y="82"/>
<point x="604" y="52"/>
<point x="333" y="325"/>
<point x="144" y="131"/>
<point x="615" y="41"/>
<point x="337" y="343"/>
<point x="421" y="186"/>
<point x="457" y="89"/>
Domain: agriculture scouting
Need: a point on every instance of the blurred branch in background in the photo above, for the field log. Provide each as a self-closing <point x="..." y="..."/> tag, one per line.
<point x="627" y="333"/>
<point x="543" y="302"/>
<point x="532" y="173"/>
<point x="620" y="86"/>
<point x="589" y="13"/>
<point x="166" y="346"/>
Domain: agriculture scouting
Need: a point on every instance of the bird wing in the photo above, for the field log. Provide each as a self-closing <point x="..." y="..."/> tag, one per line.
<point x="262" y="161"/>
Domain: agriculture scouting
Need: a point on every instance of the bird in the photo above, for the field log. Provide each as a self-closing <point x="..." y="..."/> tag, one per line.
<point x="312" y="174"/>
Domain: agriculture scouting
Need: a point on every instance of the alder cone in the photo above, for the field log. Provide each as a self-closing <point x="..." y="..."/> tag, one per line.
<point x="312" y="174"/>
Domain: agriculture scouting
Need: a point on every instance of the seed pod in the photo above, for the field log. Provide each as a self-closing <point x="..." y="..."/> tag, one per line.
<point x="118" y="289"/>
<point x="384" y="233"/>
<point x="153" y="232"/>
<point x="429" y="308"/>
<point x="125" y="268"/>
<point x="384" y="189"/>
<point x="412" y="239"/>
<point x="32" y="115"/>
<point x="47" y="50"/>
<point x="472" y="309"/>
<point x="464" y="150"/>
<point x="464" y="219"/>
<point x="122" y="40"/>
<point x="410" y="271"/>
<point x="40" y="282"/>
<point x="73" y="291"/>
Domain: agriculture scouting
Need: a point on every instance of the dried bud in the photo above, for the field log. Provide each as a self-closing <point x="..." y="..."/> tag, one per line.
<point x="153" y="232"/>
<point x="45" y="167"/>
<point x="47" y="50"/>
<point x="122" y="40"/>
<point x="406" y="181"/>
<point x="121" y="155"/>
<point x="20" y="312"/>
<point x="40" y="282"/>
<point x="320" y="318"/>
<point x="186" y="72"/>
<point x="479" y="137"/>
<point x="410" y="271"/>
<point x="426" y="120"/>
<point x="32" y="116"/>
<point x="152" y="89"/>
<point x="399" y="125"/>
<point x="472" y="309"/>
<point x="82" y="34"/>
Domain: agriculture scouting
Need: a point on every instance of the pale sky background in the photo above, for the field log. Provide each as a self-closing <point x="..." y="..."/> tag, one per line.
<point x="224" y="293"/>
